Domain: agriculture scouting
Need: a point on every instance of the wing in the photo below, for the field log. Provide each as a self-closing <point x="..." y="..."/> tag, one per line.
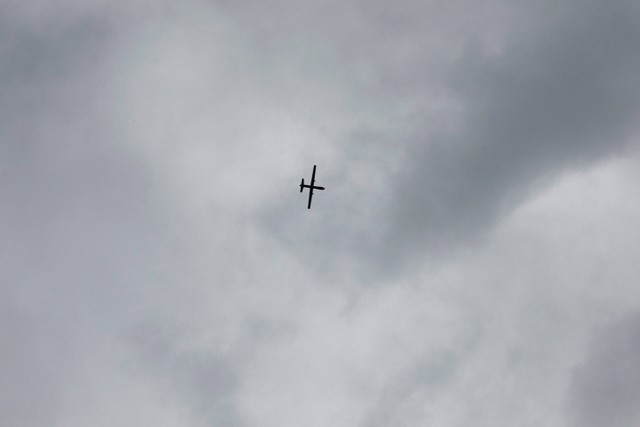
<point x="310" y="196"/>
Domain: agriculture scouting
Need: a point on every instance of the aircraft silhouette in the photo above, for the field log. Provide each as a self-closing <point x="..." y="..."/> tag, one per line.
<point x="310" y="187"/>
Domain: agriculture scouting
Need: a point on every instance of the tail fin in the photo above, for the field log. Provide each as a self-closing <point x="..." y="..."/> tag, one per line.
<point x="301" y="185"/>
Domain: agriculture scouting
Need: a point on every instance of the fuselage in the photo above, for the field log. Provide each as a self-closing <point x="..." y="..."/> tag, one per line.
<point x="311" y="186"/>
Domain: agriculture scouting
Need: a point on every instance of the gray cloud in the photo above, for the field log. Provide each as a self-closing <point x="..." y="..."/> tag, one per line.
<point x="206" y="382"/>
<point x="605" y="389"/>
<point x="29" y="389"/>
<point x="158" y="264"/>
<point x="77" y="211"/>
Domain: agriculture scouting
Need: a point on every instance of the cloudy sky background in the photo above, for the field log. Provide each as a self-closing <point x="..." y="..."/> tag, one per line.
<point x="473" y="261"/>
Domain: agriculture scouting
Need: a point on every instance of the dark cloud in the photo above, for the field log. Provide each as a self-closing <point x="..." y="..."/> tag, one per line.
<point x="562" y="95"/>
<point x="464" y="132"/>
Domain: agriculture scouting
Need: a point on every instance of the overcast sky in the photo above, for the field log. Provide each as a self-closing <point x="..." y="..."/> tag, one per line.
<point x="473" y="261"/>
